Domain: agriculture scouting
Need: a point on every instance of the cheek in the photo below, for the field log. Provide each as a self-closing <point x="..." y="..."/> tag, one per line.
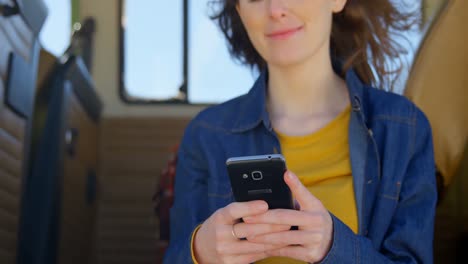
<point x="254" y="27"/>
<point x="252" y="22"/>
<point x="319" y="22"/>
<point x="315" y="11"/>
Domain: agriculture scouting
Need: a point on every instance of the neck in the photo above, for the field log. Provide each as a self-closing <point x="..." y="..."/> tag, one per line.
<point x="305" y="89"/>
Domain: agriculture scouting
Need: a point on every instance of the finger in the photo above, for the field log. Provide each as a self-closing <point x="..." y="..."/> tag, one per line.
<point x="288" y="217"/>
<point x="306" y="200"/>
<point x="242" y="247"/>
<point x="234" y="211"/>
<point x="295" y="252"/>
<point x="247" y="230"/>
<point x="291" y="237"/>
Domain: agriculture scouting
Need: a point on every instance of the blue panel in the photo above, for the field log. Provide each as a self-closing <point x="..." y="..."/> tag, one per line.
<point x="20" y="86"/>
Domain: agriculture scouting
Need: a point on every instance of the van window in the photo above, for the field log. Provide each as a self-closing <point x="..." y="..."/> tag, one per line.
<point x="213" y="75"/>
<point x="152" y="58"/>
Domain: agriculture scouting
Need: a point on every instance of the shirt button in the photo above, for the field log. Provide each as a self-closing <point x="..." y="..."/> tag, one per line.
<point x="371" y="133"/>
<point x="357" y="104"/>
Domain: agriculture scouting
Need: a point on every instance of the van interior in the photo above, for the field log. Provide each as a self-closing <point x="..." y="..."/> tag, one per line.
<point x="95" y="97"/>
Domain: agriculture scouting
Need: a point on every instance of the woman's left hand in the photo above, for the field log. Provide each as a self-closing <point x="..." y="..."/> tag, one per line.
<point x="313" y="239"/>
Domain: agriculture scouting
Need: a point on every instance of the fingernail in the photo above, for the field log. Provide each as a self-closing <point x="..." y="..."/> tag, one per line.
<point x="262" y="206"/>
<point x="247" y="219"/>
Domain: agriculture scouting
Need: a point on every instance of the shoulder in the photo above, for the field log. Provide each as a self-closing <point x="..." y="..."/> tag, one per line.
<point x="398" y="120"/>
<point x="391" y="107"/>
<point x="221" y="116"/>
<point x="217" y="118"/>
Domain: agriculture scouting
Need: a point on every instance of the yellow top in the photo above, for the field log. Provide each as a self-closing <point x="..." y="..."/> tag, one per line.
<point x="321" y="161"/>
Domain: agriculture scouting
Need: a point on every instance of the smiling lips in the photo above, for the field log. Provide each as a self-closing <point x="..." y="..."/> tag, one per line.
<point x="284" y="34"/>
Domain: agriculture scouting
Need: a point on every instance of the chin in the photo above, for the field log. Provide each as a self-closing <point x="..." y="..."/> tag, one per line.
<point x="286" y="60"/>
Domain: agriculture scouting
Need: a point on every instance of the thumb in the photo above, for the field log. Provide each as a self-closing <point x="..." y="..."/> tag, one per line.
<point x="303" y="196"/>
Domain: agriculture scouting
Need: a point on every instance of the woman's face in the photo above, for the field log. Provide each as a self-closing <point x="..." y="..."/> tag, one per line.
<point x="287" y="32"/>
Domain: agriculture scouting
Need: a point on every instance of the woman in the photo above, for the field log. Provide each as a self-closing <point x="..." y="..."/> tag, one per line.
<point x="363" y="157"/>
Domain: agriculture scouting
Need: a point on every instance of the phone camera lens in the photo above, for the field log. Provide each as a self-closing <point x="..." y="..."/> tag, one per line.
<point x="257" y="175"/>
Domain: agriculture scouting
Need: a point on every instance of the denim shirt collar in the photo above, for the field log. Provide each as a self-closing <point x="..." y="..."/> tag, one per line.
<point x="253" y="111"/>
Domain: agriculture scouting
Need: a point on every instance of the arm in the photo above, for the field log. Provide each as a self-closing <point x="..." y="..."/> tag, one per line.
<point x="410" y="235"/>
<point x="190" y="190"/>
<point x="215" y="237"/>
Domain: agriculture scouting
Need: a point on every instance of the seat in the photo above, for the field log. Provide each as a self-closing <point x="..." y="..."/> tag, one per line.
<point x="60" y="202"/>
<point x="437" y="84"/>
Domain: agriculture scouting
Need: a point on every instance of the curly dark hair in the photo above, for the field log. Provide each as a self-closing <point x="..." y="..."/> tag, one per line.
<point x="362" y="37"/>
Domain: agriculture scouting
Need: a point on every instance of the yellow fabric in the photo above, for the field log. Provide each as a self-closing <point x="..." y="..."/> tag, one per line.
<point x="321" y="161"/>
<point x="191" y="244"/>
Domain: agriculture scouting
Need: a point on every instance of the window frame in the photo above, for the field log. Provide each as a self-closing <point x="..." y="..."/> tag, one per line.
<point x="185" y="74"/>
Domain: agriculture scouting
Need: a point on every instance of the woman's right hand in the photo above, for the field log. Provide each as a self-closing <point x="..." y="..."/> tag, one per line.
<point x="215" y="242"/>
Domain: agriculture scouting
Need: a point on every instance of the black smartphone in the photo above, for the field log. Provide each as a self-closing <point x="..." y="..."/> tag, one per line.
<point x="260" y="178"/>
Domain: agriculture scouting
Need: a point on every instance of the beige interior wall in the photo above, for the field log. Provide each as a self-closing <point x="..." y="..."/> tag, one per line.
<point x="133" y="153"/>
<point x="106" y="65"/>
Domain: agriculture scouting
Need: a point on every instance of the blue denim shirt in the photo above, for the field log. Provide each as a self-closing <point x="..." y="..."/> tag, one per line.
<point x="392" y="164"/>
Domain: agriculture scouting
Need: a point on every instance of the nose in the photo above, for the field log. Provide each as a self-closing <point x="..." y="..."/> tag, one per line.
<point x="277" y="9"/>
